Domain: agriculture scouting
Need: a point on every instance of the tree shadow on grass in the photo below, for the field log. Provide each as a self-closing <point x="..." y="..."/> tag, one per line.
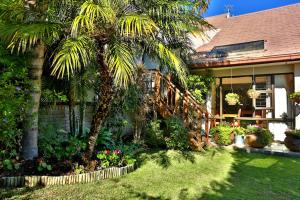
<point x="255" y="176"/>
<point x="142" y="195"/>
<point x="163" y="157"/>
<point x="25" y="192"/>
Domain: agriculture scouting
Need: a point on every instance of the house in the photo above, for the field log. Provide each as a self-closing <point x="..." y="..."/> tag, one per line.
<point x="259" y="50"/>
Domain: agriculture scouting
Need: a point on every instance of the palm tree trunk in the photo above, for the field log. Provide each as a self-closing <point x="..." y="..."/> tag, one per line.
<point x="103" y="104"/>
<point x="30" y="138"/>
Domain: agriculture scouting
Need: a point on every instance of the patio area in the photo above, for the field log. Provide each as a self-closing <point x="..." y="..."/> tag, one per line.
<point x="275" y="148"/>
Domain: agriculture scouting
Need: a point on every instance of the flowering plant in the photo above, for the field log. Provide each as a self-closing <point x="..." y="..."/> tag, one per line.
<point x="115" y="158"/>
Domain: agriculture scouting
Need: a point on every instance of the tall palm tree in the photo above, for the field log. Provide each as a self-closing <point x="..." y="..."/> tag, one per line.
<point x="31" y="26"/>
<point x="111" y="32"/>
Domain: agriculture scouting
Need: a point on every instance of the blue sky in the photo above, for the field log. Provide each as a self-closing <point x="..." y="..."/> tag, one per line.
<point x="245" y="6"/>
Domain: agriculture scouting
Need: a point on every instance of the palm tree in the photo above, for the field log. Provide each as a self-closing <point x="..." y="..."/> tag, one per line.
<point x="111" y="32"/>
<point x="31" y="26"/>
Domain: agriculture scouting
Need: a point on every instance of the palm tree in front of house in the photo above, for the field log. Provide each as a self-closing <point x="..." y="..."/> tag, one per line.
<point x="31" y="26"/>
<point x="112" y="32"/>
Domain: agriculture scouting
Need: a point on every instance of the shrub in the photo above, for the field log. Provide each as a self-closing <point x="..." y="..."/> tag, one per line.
<point x="114" y="158"/>
<point x="239" y="130"/>
<point x="223" y="134"/>
<point x="264" y="136"/>
<point x="294" y="133"/>
<point x="13" y="106"/>
<point x="177" y="134"/>
<point x="57" y="144"/>
<point x="154" y="136"/>
<point x="105" y="138"/>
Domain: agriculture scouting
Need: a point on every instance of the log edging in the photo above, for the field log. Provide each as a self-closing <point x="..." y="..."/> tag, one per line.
<point x="32" y="181"/>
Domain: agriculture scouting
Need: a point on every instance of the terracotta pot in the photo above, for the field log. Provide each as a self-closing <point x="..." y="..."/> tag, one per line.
<point x="292" y="143"/>
<point x="252" y="141"/>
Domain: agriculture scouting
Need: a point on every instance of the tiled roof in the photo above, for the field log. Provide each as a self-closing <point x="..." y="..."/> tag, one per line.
<point x="278" y="27"/>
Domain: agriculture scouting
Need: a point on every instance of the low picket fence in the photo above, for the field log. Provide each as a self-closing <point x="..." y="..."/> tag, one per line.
<point x="32" y="181"/>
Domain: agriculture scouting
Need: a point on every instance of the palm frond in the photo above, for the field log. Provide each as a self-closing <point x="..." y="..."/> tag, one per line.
<point x="73" y="54"/>
<point x="24" y="36"/>
<point x="120" y="61"/>
<point x="12" y="10"/>
<point x="92" y="13"/>
<point x="134" y="25"/>
<point x="171" y="60"/>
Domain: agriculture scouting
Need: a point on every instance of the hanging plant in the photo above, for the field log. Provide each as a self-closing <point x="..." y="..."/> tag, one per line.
<point x="232" y="99"/>
<point x="253" y="93"/>
<point x="295" y="97"/>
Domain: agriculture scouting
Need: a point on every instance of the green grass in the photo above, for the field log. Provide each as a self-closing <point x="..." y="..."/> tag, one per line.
<point x="215" y="174"/>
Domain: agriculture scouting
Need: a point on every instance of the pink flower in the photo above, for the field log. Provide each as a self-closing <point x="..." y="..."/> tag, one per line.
<point x="117" y="151"/>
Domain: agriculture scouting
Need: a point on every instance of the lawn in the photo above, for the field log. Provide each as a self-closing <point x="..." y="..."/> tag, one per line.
<point x="215" y="174"/>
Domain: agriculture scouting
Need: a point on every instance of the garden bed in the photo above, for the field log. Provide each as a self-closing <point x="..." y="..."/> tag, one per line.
<point x="32" y="181"/>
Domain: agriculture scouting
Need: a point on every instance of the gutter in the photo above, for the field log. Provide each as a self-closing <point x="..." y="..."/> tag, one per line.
<point x="241" y="62"/>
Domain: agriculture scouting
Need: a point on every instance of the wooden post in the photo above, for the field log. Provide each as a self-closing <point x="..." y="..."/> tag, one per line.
<point x="207" y="127"/>
<point x="186" y="109"/>
<point x="177" y="101"/>
<point x="221" y="100"/>
<point x="157" y="86"/>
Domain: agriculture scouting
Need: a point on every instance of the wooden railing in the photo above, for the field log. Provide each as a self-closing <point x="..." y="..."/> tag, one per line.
<point x="170" y="100"/>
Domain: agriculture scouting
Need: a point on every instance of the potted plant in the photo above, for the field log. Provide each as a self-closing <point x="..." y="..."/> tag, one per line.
<point x="253" y="93"/>
<point x="295" y="96"/>
<point x="258" y="137"/>
<point x="292" y="140"/>
<point x="222" y="134"/>
<point x="239" y="134"/>
<point x="232" y="99"/>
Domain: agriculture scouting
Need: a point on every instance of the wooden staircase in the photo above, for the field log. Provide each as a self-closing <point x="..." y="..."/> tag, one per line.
<point x="169" y="100"/>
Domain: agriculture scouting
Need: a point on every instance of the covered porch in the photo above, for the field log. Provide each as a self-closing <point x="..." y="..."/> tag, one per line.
<point x="272" y="109"/>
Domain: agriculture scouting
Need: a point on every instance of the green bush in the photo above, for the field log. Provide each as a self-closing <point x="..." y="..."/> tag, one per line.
<point x="13" y="105"/>
<point x="176" y="134"/>
<point x="154" y="136"/>
<point x="264" y="136"/>
<point x="239" y="130"/>
<point x="294" y="133"/>
<point x="58" y="144"/>
<point x="223" y="133"/>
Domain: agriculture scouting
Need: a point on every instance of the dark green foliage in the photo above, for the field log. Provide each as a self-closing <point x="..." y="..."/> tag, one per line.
<point x="154" y="136"/>
<point x="176" y="134"/>
<point x="105" y="139"/>
<point x="222" y="133"/>
<point x="128" y="148"/>
<point x="294" y="133"/>
<point x="58" y="144"/>
<point x="264" y="136"/>
<point x="199" y="85"/>
<point x="43" y="166"/>
<point x="13" y="102"/>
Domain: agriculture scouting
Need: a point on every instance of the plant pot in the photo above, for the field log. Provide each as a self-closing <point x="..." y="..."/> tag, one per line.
<point x="292" y="143"/>
<point x="253" y="141"/>
<point x="253" y="94"/>
<point x="239" y="140"/>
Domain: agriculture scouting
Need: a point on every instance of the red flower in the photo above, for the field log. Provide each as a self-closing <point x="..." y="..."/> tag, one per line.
<point x="107" y="152"/>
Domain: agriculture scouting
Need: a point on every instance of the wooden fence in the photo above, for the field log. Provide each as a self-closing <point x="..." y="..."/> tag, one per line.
<point x="32" y="181"/>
